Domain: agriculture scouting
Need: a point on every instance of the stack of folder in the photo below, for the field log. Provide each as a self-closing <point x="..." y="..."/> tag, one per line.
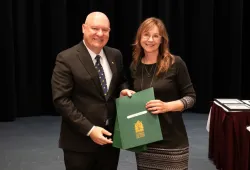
<point x="234" y="105"/>
<point x="136" y="127"/>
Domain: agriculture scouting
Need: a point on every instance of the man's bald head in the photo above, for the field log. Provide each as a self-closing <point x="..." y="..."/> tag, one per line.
<point x="96" y="15"/>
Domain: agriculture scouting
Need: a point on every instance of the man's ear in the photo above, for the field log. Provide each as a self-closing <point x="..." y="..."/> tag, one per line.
<point x="83" y="28"/>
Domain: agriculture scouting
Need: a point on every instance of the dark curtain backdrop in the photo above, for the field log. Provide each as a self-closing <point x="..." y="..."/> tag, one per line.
<point x="210" y="36"/>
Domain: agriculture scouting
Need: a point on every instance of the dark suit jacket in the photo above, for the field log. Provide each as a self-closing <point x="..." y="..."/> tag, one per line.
<point x="78" y="95"/>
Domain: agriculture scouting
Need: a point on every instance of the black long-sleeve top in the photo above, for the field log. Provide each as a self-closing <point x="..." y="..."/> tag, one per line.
<point x="175" y="84"/>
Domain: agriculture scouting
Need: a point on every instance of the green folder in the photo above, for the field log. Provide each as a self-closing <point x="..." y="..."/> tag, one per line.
<point x="135" y="127"/>
<point x="117" y="141"/>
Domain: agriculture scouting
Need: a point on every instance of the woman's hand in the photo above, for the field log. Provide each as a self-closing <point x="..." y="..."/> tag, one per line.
<point x="157" y="106"/>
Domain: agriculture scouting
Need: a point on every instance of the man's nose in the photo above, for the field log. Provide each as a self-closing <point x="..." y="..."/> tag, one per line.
<point x="100" y="32"/>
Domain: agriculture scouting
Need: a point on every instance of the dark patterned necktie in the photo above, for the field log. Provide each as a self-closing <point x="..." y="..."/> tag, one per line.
<point x="102" y="78"/>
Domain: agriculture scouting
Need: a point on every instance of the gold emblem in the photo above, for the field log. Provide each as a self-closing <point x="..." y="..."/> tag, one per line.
<point x="139" y="130"/>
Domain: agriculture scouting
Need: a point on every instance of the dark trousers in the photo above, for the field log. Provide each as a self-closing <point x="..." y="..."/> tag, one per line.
<point x="106" y="158"/>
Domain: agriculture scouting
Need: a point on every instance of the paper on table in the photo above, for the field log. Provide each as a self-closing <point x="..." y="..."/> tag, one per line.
<point x="246" y="101"/>
<point x="229" y="101"/>
<point x="237" y="106"/>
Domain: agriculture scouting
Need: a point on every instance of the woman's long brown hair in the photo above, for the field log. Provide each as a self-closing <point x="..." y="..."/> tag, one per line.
<point x="165" y="58"/>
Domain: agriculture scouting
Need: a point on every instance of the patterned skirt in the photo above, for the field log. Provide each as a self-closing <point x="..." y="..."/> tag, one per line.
<point x="163" y="159"/>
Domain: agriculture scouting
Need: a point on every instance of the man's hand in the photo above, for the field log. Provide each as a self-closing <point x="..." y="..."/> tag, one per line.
<point x="127" y="92"/>
<point x="97" y="135"/>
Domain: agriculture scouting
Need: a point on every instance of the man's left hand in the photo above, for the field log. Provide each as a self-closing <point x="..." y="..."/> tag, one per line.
<point x="127" y="92"/>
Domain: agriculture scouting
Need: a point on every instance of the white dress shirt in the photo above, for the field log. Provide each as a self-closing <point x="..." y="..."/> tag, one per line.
<point x="105" y="66"/>
<point x="104" y="63"/>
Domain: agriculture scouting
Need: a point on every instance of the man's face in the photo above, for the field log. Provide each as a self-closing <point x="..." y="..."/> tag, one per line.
<point x="96" y="32"/>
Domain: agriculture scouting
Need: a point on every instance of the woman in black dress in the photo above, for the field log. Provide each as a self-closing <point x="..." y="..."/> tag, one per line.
<point x="154" y="66"/>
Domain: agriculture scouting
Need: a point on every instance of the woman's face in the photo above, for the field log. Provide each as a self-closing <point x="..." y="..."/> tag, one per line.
<point x="151" y="40"/>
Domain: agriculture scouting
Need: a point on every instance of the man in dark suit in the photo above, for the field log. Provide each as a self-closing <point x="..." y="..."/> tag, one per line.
<point x="86" y="99"/>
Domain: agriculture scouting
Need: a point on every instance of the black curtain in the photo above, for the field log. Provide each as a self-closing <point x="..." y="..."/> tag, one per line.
<point x="210" y="36"/>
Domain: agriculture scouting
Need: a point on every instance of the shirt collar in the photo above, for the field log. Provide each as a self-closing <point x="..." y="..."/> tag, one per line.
<point x="92" y="54"/>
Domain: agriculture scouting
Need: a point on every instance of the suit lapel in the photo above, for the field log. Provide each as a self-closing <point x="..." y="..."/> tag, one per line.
<point x="112" y="64"/>
<point x="88" y="64"/>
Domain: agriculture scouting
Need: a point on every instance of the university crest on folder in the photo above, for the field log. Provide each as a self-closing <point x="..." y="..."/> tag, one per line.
<point x="139" y="130"/>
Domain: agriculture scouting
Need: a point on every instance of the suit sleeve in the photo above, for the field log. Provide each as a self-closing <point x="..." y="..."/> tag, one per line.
<point x="123" y="74"/>
<point x="62" y="85"/>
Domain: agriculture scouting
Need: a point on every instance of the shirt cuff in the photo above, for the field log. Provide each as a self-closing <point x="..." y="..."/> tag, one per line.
<point x="90" y="130"/>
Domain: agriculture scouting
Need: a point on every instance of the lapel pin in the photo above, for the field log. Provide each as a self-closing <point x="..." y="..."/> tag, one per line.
<point x="112" y="62"/>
